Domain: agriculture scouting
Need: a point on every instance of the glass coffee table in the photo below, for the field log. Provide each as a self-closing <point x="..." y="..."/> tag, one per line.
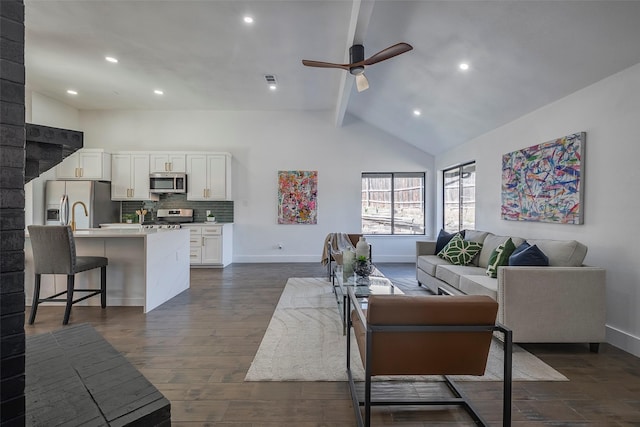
<point x="375" y="284"/>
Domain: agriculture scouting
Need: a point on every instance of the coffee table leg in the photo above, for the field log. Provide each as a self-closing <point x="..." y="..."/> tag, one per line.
<point x="345" y="310"/>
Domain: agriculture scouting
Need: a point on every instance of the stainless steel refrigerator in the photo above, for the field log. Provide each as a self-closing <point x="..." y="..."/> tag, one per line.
<point x="95" y="195"/>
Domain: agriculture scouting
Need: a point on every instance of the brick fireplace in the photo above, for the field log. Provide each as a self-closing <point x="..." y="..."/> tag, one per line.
<point x="12" y="163"/>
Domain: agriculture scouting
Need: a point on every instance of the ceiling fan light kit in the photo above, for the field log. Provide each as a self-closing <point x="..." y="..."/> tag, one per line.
<point x="358" y="63"/>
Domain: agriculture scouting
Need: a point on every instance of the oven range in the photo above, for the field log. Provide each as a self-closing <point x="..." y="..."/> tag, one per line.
<point x="170" y="219"/>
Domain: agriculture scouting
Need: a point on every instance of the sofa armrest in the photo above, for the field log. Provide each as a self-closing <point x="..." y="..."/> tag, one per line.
<point x="425" y="247"/>
<point x="553" y="304"/>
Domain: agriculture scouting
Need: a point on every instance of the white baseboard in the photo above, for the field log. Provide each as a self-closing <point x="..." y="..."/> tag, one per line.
<point x="243" y="259"/>
<point x="623" y="340"/>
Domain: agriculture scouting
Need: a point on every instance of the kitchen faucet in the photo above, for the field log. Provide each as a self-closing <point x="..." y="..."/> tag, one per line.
<point x="73" y="214"/>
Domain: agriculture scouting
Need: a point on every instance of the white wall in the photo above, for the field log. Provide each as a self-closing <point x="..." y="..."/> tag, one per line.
<point x="609" y="112"/>
<point x="42" y="110"/>
<point x="262" y="143"/>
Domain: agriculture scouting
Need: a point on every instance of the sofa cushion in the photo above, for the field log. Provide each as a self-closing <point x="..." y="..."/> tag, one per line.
<point x="450" y="273"/>
<point x="459" y="251"/>
<point x="428" y="263"/>
<point x="444" y="238"/>
<point x="531" y="256"/>
<point x="490" y="244"/>
<point x="475" y="235"/>
<point x="479" y="285"/>
<point x="499" y="257"/>
<point x="562" y="253"/>
<point x="478" y="237"/>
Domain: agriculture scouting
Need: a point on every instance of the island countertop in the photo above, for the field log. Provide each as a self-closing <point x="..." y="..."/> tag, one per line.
<point x="118" y="232"/>
<point x="147" y="267"/>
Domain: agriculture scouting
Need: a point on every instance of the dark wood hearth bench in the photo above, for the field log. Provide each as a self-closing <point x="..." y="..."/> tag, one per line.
<point x="75" y="377"/>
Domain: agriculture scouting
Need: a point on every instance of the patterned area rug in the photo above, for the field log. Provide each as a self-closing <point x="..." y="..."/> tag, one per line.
<point x="304" y="342"/>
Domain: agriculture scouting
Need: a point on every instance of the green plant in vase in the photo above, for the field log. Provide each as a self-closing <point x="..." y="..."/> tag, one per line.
<point x="128" y="218"/>
<point x="363" y="267"/>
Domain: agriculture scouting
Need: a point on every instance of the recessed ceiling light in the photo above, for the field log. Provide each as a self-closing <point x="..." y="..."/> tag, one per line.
<point x="72" y="92"/>
<point x="463" y="66"/>
<point x="158" y="92"/>
<point x="248" y="20"/>
<point x="417" y="112"/>
<point x="111" y="59"/>
<point x="273" y="87"/>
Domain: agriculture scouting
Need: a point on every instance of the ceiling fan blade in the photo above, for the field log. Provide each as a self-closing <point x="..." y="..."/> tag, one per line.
<point x="320" y="64"/>
<point x="389" y="52"/>
<point x="361" y="82"/>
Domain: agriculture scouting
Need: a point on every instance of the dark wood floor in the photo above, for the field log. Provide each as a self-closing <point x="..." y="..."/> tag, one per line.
<point x="197" y="348"/>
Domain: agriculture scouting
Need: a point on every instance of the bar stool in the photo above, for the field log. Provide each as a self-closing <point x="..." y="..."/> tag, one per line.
<point x="54" y="252"/>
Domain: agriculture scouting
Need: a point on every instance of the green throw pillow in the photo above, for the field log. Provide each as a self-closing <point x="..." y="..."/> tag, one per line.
<point x="459" y="251"/>
<point x="500" y="256"/>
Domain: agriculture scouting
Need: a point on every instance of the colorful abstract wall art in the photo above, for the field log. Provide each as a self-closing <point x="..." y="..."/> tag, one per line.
<point x="545" y="182"/>
<point x="297" y="197"/>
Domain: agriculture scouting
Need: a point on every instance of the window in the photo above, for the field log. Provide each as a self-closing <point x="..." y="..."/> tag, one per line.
<point x="393" y="203"/>
<point x="459" y="199"/>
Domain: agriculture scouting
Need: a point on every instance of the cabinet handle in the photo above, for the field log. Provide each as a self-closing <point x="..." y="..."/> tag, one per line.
<point x="170" y="166"/>
<point x="166" y="167"/>
<point x="81" y="172"/>
<point x="204" y="193"/>
<point x="75" y="172"/>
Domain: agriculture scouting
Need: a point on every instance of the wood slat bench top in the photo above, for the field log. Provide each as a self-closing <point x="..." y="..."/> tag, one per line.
<point x="75" y="377"/>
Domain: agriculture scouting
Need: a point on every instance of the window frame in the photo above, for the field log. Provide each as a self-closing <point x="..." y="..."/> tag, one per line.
<point x="393" y="176"/>
<point x="460" y="168"/>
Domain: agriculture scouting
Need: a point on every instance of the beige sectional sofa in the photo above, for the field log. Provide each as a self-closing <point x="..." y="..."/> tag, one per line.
<point x="560" y="303"/>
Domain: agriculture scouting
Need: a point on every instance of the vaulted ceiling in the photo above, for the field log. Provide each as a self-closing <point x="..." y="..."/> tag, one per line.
<point x="522" y="55"/>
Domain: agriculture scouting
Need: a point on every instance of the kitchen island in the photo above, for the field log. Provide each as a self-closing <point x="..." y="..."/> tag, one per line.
<point x="146" y="267"/>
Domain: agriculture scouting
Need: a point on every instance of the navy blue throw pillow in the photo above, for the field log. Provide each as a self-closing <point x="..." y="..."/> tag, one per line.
<point x="531" y="256"/>
<point x="521" y="248"/>
<point x="444" y="238"/>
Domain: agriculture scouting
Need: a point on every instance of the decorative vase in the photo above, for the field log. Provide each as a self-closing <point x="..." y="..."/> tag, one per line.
<point x="348" y="263"/>
<point x="362" y="248"/>
<point x="363" y="268"/>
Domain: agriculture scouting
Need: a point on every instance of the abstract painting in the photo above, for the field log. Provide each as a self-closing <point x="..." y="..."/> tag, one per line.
<point x="297" y="197"/>
<point x="545" y="182"/>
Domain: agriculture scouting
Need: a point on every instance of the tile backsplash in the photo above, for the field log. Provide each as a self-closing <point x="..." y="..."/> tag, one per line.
<point x="222" y="210"/>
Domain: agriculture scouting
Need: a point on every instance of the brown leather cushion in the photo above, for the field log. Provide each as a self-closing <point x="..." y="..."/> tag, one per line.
<point x="427" y="353"/>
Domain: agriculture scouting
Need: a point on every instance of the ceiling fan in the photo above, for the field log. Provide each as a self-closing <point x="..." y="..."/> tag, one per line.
<point x="357" y="64"/>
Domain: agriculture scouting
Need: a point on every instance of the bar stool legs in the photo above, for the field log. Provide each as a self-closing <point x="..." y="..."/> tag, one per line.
<point x="103" y="287"/>
<point x="67" y="309"/>
<point x="36" y="300"/>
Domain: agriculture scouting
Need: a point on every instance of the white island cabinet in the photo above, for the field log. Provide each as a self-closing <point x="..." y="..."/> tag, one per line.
<point x="146" y="267"/>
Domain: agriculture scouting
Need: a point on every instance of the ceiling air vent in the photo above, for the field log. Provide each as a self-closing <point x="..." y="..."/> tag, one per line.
<point x="271" y="81"/>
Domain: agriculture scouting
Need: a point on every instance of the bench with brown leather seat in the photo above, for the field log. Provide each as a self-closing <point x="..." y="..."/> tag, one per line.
<point x="426" y="335"/>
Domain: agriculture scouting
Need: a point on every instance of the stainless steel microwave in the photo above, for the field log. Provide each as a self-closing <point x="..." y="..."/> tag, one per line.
<point x="168" y="182"/>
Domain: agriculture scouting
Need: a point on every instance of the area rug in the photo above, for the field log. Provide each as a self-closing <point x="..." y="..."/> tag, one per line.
<point x="304" y="342"/>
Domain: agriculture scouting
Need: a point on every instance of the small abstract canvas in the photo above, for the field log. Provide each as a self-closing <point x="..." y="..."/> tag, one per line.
<point x="545" y="182"/>
<point x="297" y="197"/>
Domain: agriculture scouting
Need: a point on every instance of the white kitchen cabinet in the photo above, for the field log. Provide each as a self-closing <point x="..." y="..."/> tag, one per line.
<point x="130" y="177"/>
<point x="210" y="245"/>
<point x="208" y="176"/>
<point x="86" y="163"/>
<point x="167" y="162"/>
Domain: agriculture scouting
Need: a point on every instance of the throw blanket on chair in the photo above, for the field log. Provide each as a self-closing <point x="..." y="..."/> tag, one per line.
<point x="339" y="242"/>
